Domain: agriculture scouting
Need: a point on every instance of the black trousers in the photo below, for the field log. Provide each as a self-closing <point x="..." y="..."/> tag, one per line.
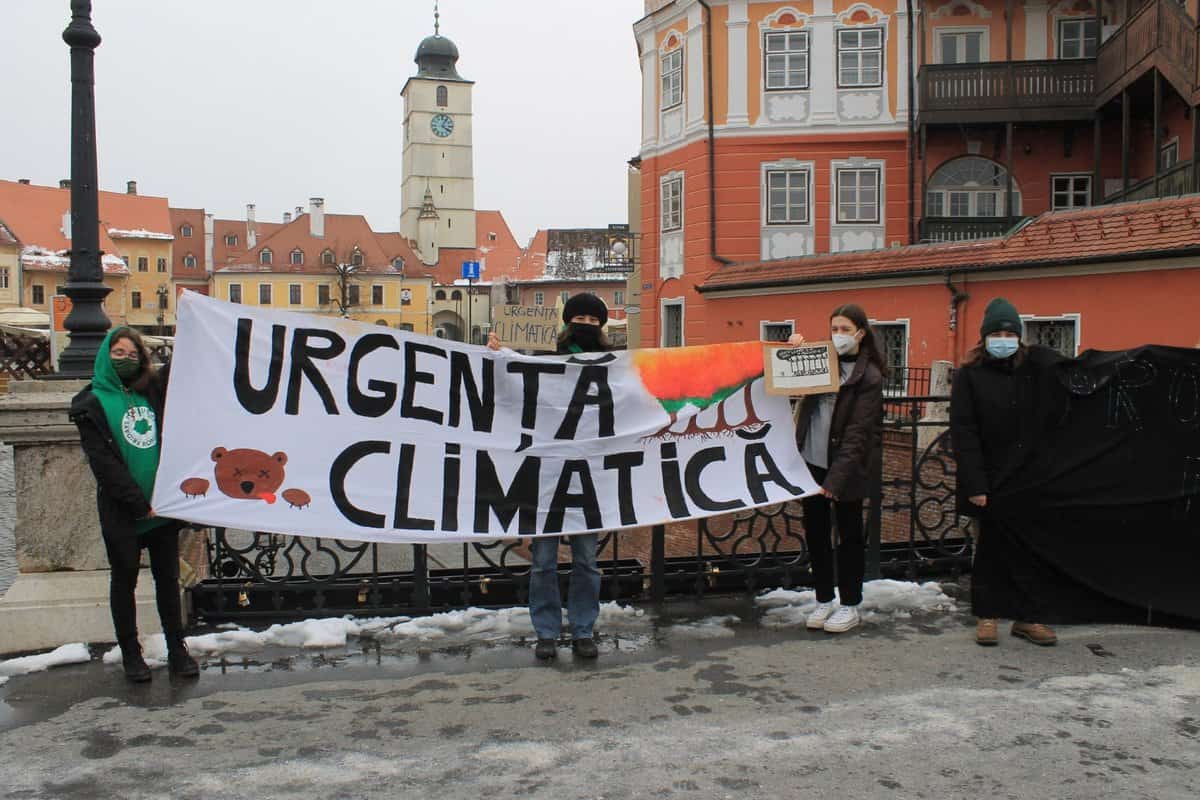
<point x="851" y="550"/>
<point x="1007" y="578"/>
<point x="124" y="555"/>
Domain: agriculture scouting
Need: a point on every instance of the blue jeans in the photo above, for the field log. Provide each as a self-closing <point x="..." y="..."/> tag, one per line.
<point x="583" y="597"/>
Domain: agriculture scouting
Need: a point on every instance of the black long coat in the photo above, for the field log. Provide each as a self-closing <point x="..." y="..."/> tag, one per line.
<point x="855" y="433"/>
<point x="999" y="410"/>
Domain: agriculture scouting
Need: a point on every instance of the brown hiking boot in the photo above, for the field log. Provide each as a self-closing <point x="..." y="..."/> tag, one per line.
<point x="1035" y="632"/>
<point x="986" y="632"/>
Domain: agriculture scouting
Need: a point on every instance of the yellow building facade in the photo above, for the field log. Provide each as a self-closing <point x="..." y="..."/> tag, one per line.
<point x="386" y="299"/>
<point x="148" y="259"/>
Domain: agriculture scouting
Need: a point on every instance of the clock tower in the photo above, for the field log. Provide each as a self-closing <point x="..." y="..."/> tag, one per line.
<point x="437" y="151"/>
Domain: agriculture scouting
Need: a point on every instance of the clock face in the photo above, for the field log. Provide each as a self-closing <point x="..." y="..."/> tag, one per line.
<point x="442" y="125"/>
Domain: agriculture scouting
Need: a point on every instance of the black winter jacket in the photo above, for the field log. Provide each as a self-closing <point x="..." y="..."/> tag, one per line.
<point x="119" y="500"/>
<point x="999" y="411"/>
<point x="855" y="433"/>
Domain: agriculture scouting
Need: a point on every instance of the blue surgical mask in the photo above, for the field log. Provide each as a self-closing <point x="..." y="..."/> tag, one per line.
<point x="1002" y="346"/>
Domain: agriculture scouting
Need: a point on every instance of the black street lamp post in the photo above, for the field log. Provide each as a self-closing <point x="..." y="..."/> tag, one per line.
<point x="87" y="323"/>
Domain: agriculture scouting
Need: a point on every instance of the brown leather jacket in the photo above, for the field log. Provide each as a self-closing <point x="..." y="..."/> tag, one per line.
<point x="855" y="434"/>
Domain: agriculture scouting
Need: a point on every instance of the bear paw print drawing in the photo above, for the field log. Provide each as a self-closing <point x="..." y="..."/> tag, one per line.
<point x="246" y="474"/>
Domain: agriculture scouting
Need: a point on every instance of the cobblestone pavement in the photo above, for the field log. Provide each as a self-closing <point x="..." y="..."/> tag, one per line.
<point x="903" y="710"/>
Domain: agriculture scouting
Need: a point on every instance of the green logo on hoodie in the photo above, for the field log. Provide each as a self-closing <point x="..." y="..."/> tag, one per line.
<point x="137" y="426"/>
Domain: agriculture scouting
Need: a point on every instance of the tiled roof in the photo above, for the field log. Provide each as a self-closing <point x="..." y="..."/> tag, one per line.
<point x="1104" y="233"/>
<point x="229" y="254"/>
<point x="533" y="260"/>
<point x="6" y="236"/>
<point x="193" y="217"/>
<point x="39" y="259"/>
<point x="35" y="215"/>
<point x="499" y="258"/>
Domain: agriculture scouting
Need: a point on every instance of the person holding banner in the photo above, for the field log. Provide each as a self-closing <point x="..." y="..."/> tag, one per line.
<point x="994" y="427"/>
<point x="840" y="436"/>
<point x="584" y="316"/>
<point x="119" y="416"/>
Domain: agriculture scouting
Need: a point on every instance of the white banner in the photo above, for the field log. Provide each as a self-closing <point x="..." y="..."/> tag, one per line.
<point x="318" y="426"/>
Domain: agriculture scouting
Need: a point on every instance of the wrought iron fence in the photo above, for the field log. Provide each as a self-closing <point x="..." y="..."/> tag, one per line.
<point x="911" y="524"/>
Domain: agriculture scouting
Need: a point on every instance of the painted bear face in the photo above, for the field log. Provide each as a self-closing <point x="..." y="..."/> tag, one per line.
<point x="247" y="474"/>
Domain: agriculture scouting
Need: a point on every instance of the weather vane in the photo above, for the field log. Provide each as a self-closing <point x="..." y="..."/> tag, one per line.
<point x="437" y="28"/>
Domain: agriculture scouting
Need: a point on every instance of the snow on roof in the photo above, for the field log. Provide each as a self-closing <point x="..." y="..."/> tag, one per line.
<point x="39" y="258"/>
<point x="139" y="233"/>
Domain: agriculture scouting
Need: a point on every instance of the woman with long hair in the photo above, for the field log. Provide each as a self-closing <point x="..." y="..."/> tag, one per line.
<point x="119" y="416"/>
<point x="993" y="427"/>
<point x="840" y="436"/>
<point x="583" y="315"/>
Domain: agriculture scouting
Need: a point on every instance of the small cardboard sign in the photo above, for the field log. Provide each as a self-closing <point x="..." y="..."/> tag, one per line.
<point x="801" y="369"/>
<point x="527" y="327"/>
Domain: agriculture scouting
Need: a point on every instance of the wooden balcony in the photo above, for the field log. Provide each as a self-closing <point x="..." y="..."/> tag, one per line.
<point x="964" y="229"/>
<point x="1159" y="35"/>
<point x="1007" y="91"/>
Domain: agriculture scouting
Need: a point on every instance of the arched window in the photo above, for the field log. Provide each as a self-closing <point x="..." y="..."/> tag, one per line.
<point x="456" y="295"/>
<point x="971" y="186"/>
<point x="189" y="261"/>
<point x="231" y="240"/>
<point x="382" y="322"/>
<point x="185" y="231"/>
<point x="443" y="96"/>
<point x="264" y="257"/>
<point x="327" y="258"/>
<point x="398" y="264"/>
<point x="440" y="294"/>
<point x="297" y="256"/>
<point x="356" y="259"/>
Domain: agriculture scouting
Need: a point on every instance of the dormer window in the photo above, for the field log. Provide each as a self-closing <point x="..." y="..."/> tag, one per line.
<point x="398" y="264"/>
<point x="264" y="258"/>
<point x="356" y="259"/>
<point x="327" y="258"/>
<point x="297" y="257"/>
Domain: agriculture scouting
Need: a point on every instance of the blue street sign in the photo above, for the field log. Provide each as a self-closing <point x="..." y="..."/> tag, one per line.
<point x="470" y="270"/>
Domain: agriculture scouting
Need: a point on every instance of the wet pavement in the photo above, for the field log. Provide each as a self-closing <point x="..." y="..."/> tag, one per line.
<point x="673" y="709"/>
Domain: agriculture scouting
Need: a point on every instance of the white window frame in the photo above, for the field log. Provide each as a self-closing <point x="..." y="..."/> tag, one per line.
<point x="564" y="295"/>
<point x="298" y="288"/>
<point x="807" y="172"/>
<point x="662" y="321"/>
<point x="618" y="297"/>
<point x="1082" y="21"/>
<point x="292" y="257"/>
<point x="1073" y="317"/>
<point x="837" y="188"/>
<point x="763" y="323"/>
<point x="787" y="56"/>
<point x="671" y="79"/>
<point x="185" y="231"/>
<point x="958" y="30"/>
<point x="1072" y="176"/>
<point x="231" y="240"/>
<point x="270" y="294"/>
<point x="4" y="278"/>
<point x="1171" y="146"/>
<point x="230" y="293"/>
<point x="539" y="298"/>
<point x="265" y="257"/>
<point x="903" y="322"/>
<point x="671" y="217"/>
<point x="357" y="259"/>
<point x="328" y="259"/>
<point x="189" y="261"/>
<point x="858" y="30"/>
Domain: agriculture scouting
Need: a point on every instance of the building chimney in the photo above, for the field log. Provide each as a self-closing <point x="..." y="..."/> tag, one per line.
<point x="287" y="217"/>
<point x="66" y="226"/>
<point x="65" y="183"/>
<point x="316" y="217"/>
<point x="251" y="228"/>
<point x="130" y="187"/>
<point x="23" y="181"/>
<point x="299" y="211"/>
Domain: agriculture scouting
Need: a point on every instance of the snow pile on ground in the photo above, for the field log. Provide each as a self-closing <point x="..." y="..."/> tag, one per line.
<point x="707" y="628"/>
<point x="76" y="653"/>
<point x="881" y="599"/>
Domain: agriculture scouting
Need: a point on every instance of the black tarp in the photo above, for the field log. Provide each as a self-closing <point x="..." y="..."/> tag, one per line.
<point x="1107" y="514"/>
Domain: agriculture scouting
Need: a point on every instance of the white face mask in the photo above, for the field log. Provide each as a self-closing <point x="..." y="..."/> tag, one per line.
<point x="844" y="343"/>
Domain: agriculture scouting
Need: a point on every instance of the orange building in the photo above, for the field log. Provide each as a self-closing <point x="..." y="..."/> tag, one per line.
<point x="996" y="119"/>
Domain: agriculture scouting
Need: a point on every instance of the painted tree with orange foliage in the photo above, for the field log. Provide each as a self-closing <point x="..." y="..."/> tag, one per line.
<point x="701" y="376"/>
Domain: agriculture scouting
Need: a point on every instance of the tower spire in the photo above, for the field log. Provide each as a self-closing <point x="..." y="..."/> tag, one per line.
<point x="437" y="28"/>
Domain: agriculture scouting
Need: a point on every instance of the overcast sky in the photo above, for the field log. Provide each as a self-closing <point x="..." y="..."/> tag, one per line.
<point x="219" y="103"/>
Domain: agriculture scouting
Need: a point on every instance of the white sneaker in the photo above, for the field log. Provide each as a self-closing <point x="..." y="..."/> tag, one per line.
<point x="816" y="620"/>
<point x="844" y="619"/>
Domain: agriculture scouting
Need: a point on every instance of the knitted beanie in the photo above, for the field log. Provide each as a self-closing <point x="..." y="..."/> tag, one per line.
<point x="1000" y="315"/>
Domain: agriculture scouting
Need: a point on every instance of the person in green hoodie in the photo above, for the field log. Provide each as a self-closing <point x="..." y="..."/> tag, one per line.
<point x="119" y="416"/>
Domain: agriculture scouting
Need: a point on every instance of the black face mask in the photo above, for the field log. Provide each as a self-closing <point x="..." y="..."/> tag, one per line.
<point x="586" y="336"/>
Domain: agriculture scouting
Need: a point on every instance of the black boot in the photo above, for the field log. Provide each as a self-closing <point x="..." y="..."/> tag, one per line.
<point x="546" y="649"/>
<point x="179" y="661"/>
<point x="585" y="648"/>
<point x="132" y="662"/>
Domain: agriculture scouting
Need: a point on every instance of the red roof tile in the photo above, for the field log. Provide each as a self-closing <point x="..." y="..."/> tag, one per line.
<point x="193" y="217"/>
<point x="1108" y="233"/>
<point x="35" y="215"/>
